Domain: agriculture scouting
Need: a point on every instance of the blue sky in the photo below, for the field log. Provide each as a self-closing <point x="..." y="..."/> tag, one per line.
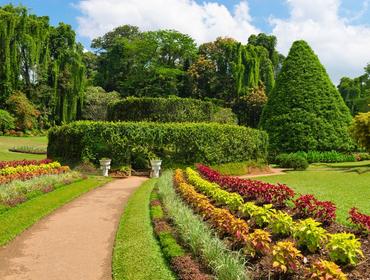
<point x="338" y="30"/>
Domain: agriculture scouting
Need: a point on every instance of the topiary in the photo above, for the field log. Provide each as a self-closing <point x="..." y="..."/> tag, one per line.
<point x="6" y="121"/>
<point x="305" y="111"/>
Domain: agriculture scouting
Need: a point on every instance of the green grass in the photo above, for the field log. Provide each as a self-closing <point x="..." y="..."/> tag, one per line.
<point x="16" y="220"/>
<point x="343" y="186"/>
<point x="137" y="254"/>
<point x="8" y="142"/>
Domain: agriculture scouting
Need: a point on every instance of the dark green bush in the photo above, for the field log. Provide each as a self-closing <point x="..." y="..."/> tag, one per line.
<point x="324" y="157"/>
<point x="294" y="161"/>
<point x="172" y="109"/>
<point x="186" y="143"/>
<point x="305" y="112"/>
<point x="6" y="121"/>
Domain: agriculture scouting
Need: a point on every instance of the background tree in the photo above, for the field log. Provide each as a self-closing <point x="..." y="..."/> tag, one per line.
<point x="360" y="130"/>
<point x="305" y="111"/>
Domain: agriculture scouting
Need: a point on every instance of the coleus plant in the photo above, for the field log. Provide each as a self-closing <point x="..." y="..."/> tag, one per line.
<point x="322" y="211"/>
<point x="14" y="163"/>
<point x="286" y="257"/>
<point x="344" y="248"/>
<point x="360" y="220"/>
<point x="325" y="270"/>
<point x="258" y="243"/>
<point x="309" y="234"/>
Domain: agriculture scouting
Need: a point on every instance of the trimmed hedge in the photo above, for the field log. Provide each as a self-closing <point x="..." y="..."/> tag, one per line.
<point x="169" y="110"/>
<point x="173" y="142"/>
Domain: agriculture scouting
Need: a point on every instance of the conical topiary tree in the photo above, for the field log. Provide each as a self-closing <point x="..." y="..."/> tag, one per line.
<point x="305" y="111"/>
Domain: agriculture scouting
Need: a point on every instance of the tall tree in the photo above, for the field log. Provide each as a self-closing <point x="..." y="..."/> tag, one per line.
<point x="305" y="111"/>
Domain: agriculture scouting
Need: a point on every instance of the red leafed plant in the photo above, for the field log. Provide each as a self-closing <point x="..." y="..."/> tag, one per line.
<point x="322" y="211"/>
<point x="361" y="221"/>
<point x="14" y="163"/>
<point x="249" y="189"/>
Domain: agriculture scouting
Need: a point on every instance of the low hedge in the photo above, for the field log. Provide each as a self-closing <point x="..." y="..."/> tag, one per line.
<point x="169" y="110"/>
<point x="173" y="142"/>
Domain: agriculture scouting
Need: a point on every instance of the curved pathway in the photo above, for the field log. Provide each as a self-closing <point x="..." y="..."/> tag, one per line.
<point x="74" y="242"/>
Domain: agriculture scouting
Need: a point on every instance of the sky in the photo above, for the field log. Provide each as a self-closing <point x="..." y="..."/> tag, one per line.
<point x="337" y="30"/>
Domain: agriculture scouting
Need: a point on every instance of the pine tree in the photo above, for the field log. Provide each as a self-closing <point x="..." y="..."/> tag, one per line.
<point x="305" y="111"/>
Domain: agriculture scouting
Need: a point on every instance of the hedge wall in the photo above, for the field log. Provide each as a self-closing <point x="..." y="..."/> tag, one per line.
<point x="169" y="110"/>
<point x="185" y="143"/>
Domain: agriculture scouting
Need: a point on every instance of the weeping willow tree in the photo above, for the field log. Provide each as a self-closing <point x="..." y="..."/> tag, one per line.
<point x="44" y="62"/>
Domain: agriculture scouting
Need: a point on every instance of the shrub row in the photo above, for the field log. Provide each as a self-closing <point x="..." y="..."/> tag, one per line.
<point x="200" y="238"/>
<point x="184" y="265"/>
<point x="173" y="142"/>
<point x="169" y="110"/>
<point x="323" y="157"/>
<point x="249" y="189"/>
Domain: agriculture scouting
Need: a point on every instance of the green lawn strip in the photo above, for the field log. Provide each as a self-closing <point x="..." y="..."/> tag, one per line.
<point x="16" y="220"/>
<point x="8" y="142"/>
<point x="202" y="240"/>
<point x="345" y="189"/>
<point x="137" y="254"/>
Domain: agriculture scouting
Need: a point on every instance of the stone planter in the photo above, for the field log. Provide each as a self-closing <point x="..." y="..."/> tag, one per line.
<point x="156" y="167"/>
<point x="105" y="166"/>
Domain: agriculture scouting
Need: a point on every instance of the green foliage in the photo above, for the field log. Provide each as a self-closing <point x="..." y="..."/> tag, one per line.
<point x="156" y="212"/>
<point x="43" y="61"/>
<point x="305" y="111"/>
<point x="344" y="248"/>
<point x="360" y="130"/>
<point x="292" y="160"/>
<point x="261" y="215"/>
<point x="169" y="110"/>
<point x="6" y="121"/>
<point x="96" y="101"/>
<point x="309" y="234"/>
<point x="169" y="245"/>
<point x="325" y="157"/>
<point x="281" y="223"/>
<point x="23" y="110"/>
<point x="172" y="142"/>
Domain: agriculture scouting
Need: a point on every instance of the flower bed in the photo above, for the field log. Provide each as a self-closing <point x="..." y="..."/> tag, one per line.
<point x="14" y="163"/>
<point x="315" y="242"/>
<point x="183" y="264"/>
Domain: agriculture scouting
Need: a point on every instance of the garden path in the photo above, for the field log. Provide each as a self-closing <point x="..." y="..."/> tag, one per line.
<point x="74" y="242"/>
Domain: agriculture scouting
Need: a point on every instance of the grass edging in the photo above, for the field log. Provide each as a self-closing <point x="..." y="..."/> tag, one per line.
<point x="225" y="264"/>
<point x="137" y="254"/>
<point x="17" y="219"/>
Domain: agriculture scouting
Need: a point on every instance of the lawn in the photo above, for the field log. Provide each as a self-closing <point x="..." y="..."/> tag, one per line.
<point x="7" y="142"/>
<point x="19" y="218"/>
<point x="339" y="183"/>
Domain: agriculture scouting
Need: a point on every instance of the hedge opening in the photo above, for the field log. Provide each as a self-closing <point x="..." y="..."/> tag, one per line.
<point x="175" y="143"/>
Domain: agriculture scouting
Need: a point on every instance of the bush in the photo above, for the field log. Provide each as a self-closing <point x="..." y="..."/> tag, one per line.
<point x="169" y="110"/>
<point x="305" y="111"/>
<point x="360" y="130"/>
<point x="294" y="161"/>
<point x="96" y="103"/>
<point x="23" y="110"/>
<point x="6" y="121"/>
<point x="344" y="248"/>
<point x="309" y="234"/>
<point x="173" y="142"/>
<point x="325" y="157"/>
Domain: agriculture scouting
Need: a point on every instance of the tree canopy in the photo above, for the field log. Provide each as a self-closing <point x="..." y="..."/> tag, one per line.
<point x="305" y="111"/>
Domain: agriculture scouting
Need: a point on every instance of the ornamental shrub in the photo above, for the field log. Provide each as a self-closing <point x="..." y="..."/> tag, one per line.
<point x="172" y="109"/>
<point x="6" y="121"/>
<point x="173" y="142"/>
<point x="294" y="161"/>
<point x="360" y="130"/>
<point x="305" y="111"/>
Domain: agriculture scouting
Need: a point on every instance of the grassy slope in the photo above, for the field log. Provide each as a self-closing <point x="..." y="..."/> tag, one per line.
<point x="137" y="254"/>
<point x="19" y="218"/>
<point x="7" y="142"/>
<point x="345" y="188"/>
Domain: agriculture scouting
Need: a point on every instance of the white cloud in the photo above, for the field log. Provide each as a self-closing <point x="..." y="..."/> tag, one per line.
<point x="204" y="22"/>
<point x="343" y="48"/>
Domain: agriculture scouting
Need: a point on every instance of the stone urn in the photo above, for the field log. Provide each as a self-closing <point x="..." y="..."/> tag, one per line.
<point x="156" y="167"/>
<point x="105" y="166"/>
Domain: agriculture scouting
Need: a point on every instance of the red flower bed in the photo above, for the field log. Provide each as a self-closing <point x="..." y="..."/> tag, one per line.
<point x="322" y="211"/>
<point x="29" y="175"/>
<point x="360" y="220"/>
<point x="14" y="163"/>
<point x="249" y="189"/>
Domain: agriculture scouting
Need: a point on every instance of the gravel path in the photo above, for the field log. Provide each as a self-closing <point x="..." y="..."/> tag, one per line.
<point x="73" y="243"/>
